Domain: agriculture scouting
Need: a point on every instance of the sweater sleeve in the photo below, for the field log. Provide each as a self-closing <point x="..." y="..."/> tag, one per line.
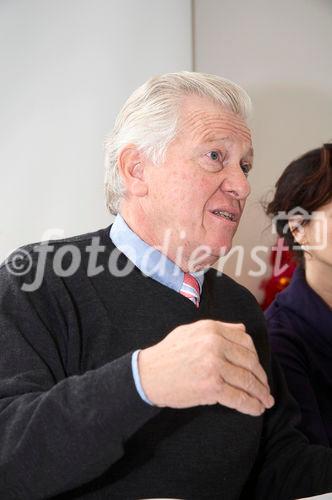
<point x="56" y="432"/>
<point x="288" y="467"/>
<point x="291" y="354"/>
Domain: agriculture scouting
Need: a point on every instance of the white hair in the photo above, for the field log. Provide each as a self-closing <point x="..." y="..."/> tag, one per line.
<point x="149" y="119"/>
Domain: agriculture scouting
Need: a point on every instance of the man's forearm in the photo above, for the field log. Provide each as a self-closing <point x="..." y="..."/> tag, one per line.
<point x="56" y="440"/>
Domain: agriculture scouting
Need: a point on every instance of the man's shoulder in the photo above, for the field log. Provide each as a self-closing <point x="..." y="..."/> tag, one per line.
<point x="29" y="252"/>
<point x="48" y="263"/>
<point x="77" y="240"/>
<point x="80" y="238"/>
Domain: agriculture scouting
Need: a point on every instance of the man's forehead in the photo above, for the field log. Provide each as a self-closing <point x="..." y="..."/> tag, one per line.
<point x="206" y="123"/>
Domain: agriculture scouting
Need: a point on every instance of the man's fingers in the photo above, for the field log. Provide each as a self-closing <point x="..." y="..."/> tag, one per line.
<point x="241" y="350"/>
<point x="239" y="400"/>
<point x="240" y="356"/>
<point x="237" y="334"/>
<point x="245" y="381"/>
<point x="237" y="326"/>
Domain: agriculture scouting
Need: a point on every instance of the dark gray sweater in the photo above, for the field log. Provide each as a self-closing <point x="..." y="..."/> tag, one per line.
<point x="73" y="426"/>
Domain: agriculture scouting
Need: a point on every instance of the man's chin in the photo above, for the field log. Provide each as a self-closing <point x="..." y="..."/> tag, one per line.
<point x="207" y="258"/>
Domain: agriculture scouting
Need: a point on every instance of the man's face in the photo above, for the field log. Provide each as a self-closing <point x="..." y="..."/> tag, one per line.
<point x="199" y="192"/>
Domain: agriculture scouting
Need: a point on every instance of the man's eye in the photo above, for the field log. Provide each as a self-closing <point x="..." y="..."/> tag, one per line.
<point x="246" y="167"/>
<point x="214" y="155"/>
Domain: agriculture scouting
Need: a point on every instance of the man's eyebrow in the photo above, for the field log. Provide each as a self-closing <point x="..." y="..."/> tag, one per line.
<point x="209" y="139"/>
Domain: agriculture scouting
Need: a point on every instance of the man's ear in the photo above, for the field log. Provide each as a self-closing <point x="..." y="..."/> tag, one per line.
<point x="131" y="168"/>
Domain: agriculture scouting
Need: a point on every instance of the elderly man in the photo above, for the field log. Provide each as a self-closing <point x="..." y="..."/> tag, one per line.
<point x="132" y="370"/>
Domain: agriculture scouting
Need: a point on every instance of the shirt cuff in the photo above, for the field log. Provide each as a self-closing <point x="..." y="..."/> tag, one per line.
<point x="137" y="379"/>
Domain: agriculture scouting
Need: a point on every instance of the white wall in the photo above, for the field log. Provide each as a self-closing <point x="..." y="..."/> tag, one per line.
<point x="281" y="53"/>
<point x="66" y="68"/>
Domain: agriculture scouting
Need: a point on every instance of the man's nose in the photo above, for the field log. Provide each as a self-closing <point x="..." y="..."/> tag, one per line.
<point x="235" y="182"/>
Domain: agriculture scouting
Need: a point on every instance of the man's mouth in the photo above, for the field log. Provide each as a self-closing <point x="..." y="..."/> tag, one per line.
<point x="230" y="216"/>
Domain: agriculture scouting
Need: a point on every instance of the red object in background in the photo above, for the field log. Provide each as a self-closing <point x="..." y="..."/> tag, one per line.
<point x="283" y="267"/>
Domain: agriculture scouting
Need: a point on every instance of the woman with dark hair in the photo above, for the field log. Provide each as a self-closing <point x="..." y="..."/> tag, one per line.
<point x="300" y="318"/>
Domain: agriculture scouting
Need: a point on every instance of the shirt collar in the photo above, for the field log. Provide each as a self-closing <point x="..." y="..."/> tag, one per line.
<point x="148" y="259"/>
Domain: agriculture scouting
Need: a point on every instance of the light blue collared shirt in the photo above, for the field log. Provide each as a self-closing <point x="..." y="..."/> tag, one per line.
<point x="152" y="263"/>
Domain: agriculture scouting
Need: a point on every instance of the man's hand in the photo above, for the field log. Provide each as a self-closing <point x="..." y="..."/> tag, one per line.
<point x="205" y="363"/>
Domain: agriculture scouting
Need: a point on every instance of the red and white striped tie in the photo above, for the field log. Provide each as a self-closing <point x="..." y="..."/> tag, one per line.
<point x="190" y="289"/>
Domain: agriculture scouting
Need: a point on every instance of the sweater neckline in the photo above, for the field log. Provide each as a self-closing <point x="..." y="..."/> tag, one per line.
<point x="205" y="293"/>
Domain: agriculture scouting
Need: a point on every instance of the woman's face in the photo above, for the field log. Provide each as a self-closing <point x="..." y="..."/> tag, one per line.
<point x="318" y="237"/>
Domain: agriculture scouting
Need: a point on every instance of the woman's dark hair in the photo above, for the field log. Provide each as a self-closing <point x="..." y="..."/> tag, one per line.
<point x="306" y="183"/>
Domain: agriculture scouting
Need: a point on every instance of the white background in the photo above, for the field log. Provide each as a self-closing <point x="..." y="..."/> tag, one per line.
<point x="66" y="68"/>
